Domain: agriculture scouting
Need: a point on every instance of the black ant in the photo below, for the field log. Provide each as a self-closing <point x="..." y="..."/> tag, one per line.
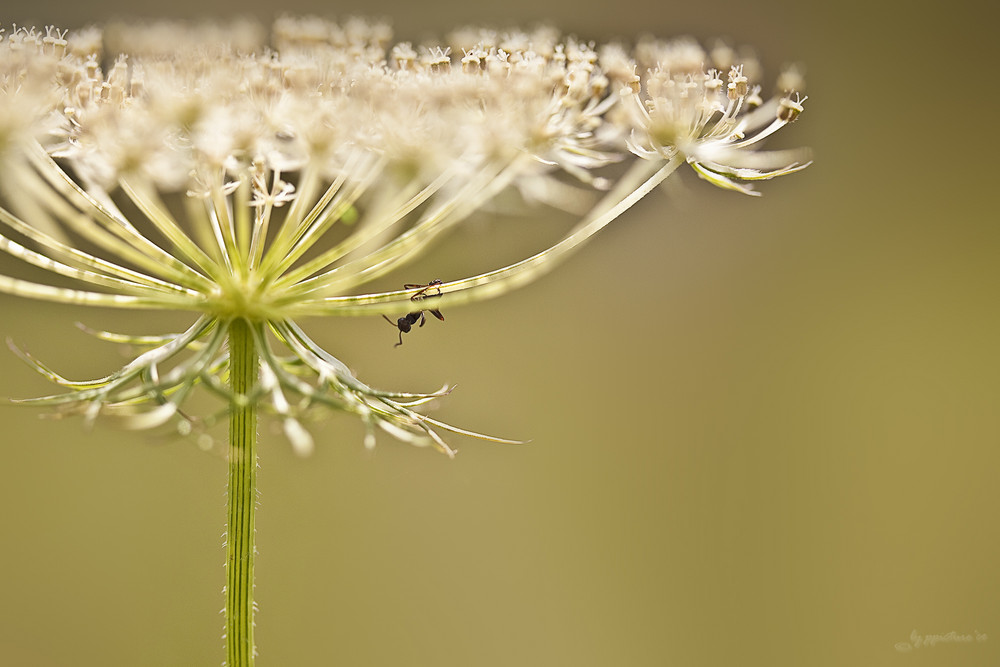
<point x="405" y="323"/>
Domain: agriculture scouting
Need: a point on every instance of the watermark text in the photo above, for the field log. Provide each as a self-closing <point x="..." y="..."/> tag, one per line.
<point x="918" y="641"/>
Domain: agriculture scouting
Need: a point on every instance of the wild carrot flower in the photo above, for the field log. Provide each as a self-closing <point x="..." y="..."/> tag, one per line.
<point x="201" y="170"/>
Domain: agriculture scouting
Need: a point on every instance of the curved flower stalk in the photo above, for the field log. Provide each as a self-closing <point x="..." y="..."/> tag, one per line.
<point x="253" y="185"/>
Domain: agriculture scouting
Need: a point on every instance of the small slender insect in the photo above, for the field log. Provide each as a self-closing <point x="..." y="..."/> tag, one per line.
<point x="431" y="290"/>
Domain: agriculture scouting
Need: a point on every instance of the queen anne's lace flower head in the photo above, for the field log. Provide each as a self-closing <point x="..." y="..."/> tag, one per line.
<point x="715" y="119"/>
<point x="201" y="170"/>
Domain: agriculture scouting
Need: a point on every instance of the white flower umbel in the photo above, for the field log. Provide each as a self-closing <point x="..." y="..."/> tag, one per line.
<point x="198" y="169"/>
<point x="714" y="119"/>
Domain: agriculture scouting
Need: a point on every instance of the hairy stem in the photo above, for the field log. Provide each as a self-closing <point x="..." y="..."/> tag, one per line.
<point x="242" y="497"/>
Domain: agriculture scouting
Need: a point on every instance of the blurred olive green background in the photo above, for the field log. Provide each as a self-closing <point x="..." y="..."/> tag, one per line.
<point x="764" y="430"/>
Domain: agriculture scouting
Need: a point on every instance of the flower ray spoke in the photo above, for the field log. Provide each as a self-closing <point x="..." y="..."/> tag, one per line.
<point x="299" y="278"/>
<point x="81" y="260"/>
<point x="100" y="222"/>
<point x="15" y="249"/>
<point x="143" y="194"/>
<point x="500" y="280"/>
<point x="311" y="229"/>
<point x="491" y="180"/>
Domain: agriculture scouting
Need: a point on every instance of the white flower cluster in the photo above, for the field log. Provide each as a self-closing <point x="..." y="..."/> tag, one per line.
<point x="337" y="102"/>
<point x="269" y="182"/>
<point x="179" y="108"/>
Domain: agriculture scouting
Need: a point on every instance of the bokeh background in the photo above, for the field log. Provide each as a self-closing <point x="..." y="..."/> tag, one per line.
<point x="764" y="431"/>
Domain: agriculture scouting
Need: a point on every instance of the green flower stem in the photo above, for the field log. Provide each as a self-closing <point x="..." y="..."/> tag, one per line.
<point x="242" y="497"/>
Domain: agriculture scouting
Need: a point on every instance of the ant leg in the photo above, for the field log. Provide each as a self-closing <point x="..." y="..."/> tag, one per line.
<point x="395" y="324"/>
